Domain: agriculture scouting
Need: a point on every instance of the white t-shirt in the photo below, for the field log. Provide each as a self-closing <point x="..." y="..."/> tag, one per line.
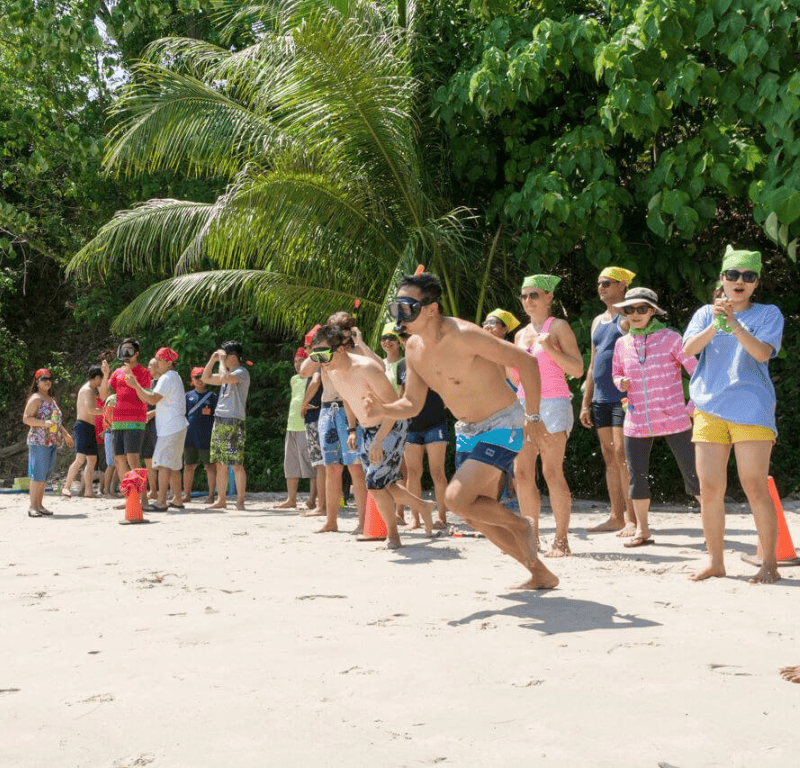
<point x="171" y="409"/>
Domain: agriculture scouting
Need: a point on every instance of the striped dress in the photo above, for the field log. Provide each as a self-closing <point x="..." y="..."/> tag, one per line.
<point x="656" y="403"/>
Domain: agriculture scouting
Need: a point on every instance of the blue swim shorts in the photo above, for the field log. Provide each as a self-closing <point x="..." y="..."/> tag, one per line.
<point x="495" y="441"/>
<point x="333" y="436"/>
<point x="387" y="472"/>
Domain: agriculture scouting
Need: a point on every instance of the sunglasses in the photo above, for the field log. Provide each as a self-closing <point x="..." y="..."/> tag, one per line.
<point x="732" y="275"/>
<point x="389" y="337"/>
<point x="532" y="296"/>
<point x="407" y="309"/>
<point x="605" y="283"/>
<point x="198" y="377"/>
<point x="639" y="309"/>
<point x="45" y="378"/>
<point x="321" y="355"/>
<point x="491" y="322"/>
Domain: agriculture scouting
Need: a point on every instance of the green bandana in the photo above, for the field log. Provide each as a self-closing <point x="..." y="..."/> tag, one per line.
<point x="542" y="282"/>
<point x="388" y="330"/>
<point x="750" y="260"/>
<point x="619" y="274"/>
<point x="504" y="317"/>
<point x="653" y="326"/>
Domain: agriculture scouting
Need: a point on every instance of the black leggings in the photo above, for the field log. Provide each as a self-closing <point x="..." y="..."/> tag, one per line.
<point x="637" y="453"/>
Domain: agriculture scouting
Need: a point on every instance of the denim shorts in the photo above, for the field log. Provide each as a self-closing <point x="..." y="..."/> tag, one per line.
<point x="108" y="444"/>
<point x="41" y="460"/>
<point x="557" y="414"/>
<point x="437" y="434"/>
<point x="333" y="436"/>
<point x="608" y="414"/>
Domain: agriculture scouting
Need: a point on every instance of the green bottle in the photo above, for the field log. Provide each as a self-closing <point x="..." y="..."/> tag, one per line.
<point x="721" y="324"/>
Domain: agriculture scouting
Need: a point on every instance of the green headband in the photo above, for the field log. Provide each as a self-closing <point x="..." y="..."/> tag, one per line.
<point x="745" y="259"/>
<point x="542" y="282"/>
<point x="504" y="317"/>
<point x="619" y="274"/>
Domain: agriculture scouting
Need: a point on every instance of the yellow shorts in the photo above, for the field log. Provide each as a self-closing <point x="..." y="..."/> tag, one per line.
<point x="712" y="429"/>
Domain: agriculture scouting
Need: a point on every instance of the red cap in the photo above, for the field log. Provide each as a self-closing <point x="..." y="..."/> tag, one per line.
<point x="197" y="371"/>
<point x="301" y="352"/>
<point x="43" y="372"/>
<point x="311" y="334"/>
<point x="165" y="353"/>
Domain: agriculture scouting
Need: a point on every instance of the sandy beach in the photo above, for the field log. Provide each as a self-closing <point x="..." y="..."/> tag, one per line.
<point x="244" y="639"/>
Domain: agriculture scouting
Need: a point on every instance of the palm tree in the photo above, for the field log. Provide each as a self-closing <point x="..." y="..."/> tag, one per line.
<point x="313" y="130"/>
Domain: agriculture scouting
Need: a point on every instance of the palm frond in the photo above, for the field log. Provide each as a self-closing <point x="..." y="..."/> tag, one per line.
<point x="272" y="300"/>
<point x="151" y="237"/>
<point x="170" y="121"/>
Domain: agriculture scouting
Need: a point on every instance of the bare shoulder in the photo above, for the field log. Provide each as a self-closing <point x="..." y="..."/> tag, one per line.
<point x="559" y="327"/>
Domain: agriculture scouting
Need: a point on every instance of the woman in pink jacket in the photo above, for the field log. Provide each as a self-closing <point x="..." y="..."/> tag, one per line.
<point x="647" y="365"/>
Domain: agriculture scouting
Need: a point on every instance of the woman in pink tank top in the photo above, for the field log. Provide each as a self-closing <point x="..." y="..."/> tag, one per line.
<point x="551" y="341"/>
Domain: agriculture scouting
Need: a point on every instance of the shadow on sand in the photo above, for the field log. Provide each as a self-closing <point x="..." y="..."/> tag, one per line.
<point x="558" y="615"/>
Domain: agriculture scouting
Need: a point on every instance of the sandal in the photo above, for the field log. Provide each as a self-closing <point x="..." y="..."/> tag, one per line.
<point x="176" y="506"/>
<point x="34" y="513"/>
<point x="45" y="512"/>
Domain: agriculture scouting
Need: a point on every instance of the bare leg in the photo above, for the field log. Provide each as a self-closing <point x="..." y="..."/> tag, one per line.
<point x="617" y="493"/>
<point x="152" y="478"/>
<point x="530" y="500"/>
<point x="712" y="471"/>
<point x="240" y="478"/>
<point x="72" y="473"/>
<point x="222" y="487"/>
<point x="35" y="495"/>
<point x="752" y="463"/>
<point x="510" y="533"/>
<point x="188" y="481"/>
<point x="164" y="474"/>
<point x="359" y="483"/>
<point x="211" y="476"/>
<point x="88" y="476"/>
<point x="560" y="496"/>
<point x="436" y="456"/>
<point x="401" y="508"/>
<point x="642" y="508"/>
<point x="312" y="493"/>
<point x="319" y="510"/>
<point x="291" y="501"/>
<point x="413" y="456"/>
<point x="386" y="504"/>
<point x="333" y="493"/>
<point x="423" y="508"/>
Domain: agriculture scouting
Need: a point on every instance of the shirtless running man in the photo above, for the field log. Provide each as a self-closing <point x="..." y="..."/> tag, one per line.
<point x="355" y="376"/>
<point x="466" y="366"/>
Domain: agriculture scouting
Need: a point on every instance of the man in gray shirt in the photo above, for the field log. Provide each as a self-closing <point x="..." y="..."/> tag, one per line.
<point x="228" y="433"/>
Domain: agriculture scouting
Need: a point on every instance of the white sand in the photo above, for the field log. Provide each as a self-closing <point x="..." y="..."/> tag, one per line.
<point x="243" y="639"/>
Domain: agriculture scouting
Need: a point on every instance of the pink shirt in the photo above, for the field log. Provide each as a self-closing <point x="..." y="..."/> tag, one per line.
<point x="554" y="382"/>
<point x="656" y="404"/>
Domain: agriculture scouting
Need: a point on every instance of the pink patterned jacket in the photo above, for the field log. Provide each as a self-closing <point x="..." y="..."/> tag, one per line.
<point x="656" y="404"/>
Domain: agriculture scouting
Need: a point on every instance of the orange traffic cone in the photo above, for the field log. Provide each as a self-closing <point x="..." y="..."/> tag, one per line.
<point x="132" y="484"/>
<point x="374" y="527"/>
<point x="784" y="549"/>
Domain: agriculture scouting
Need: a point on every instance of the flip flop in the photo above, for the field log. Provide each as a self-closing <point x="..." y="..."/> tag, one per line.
<point x="45" y="512"/>
<point x="638" y="541"/>
<point x="176" y="506"/>
<point x="154" y="508"/>
<point x="34" y="513"/>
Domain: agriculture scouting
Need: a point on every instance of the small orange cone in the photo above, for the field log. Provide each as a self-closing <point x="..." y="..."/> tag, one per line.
<point x="374" y="527"/>
<point x="784" y="549"/>
<point x="132" y="485"/>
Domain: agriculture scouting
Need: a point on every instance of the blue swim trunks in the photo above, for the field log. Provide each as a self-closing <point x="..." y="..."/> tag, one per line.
<point x="495" y="441"/>
<point x="333" y="435"/>
<point x="387" y="472"/>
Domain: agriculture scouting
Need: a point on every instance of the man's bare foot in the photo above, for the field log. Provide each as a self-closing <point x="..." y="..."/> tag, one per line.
<point x="559" y="548"/>
<point x="328" y="528"/>
<point x="541" y="578"/>
<point x="628" y="531"/>
<point x="440" y="525"/>
<point x="240" y="506"/>
<point x="288" y="504"/>
<point x="708" y="572"/>
<point x="208" y="500"/>
<point x="186" y="498"/>
<point x="612" y="524"/>
<point x="767" y="574"/>
<point x="218" y="505"/>
<point x="791" y="674"/>
<point x="316" y="512"/>
<point x="426" y="513"/>
<point x="89" y="495"/>
<point x="357" y="531"/>
<point x="310" y="505"/>
<point x="393" y="543"/>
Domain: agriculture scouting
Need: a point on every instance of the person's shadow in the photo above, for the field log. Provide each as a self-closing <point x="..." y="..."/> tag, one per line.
<point x="556" y="615"/>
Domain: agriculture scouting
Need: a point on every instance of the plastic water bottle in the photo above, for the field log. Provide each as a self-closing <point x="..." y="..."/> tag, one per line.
<point x="721" y="324"/>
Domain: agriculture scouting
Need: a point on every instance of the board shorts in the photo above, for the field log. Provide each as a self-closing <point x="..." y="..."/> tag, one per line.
<point x="85" y="438"/>
<point x="312" y="441"/>
<point x="227" y="441"/>
<point x="193" y="456"/>
<point x="333" y="436"/>
<point x="437" y="434"/>
<point x="169" y="451"/>
<point x="387" y="472"/>
<point x="608" y="414"/>
<point x="296" y="462"/>
<point x="495" y="441"/>
<point x="128" y="441"/>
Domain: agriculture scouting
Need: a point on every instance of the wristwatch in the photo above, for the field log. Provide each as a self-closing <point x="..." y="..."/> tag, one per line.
<point x="533" y="418"/>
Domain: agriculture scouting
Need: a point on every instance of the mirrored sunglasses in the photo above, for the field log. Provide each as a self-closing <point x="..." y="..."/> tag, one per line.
<point x="639" y="309"/>
<point x="732" y="275"/>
